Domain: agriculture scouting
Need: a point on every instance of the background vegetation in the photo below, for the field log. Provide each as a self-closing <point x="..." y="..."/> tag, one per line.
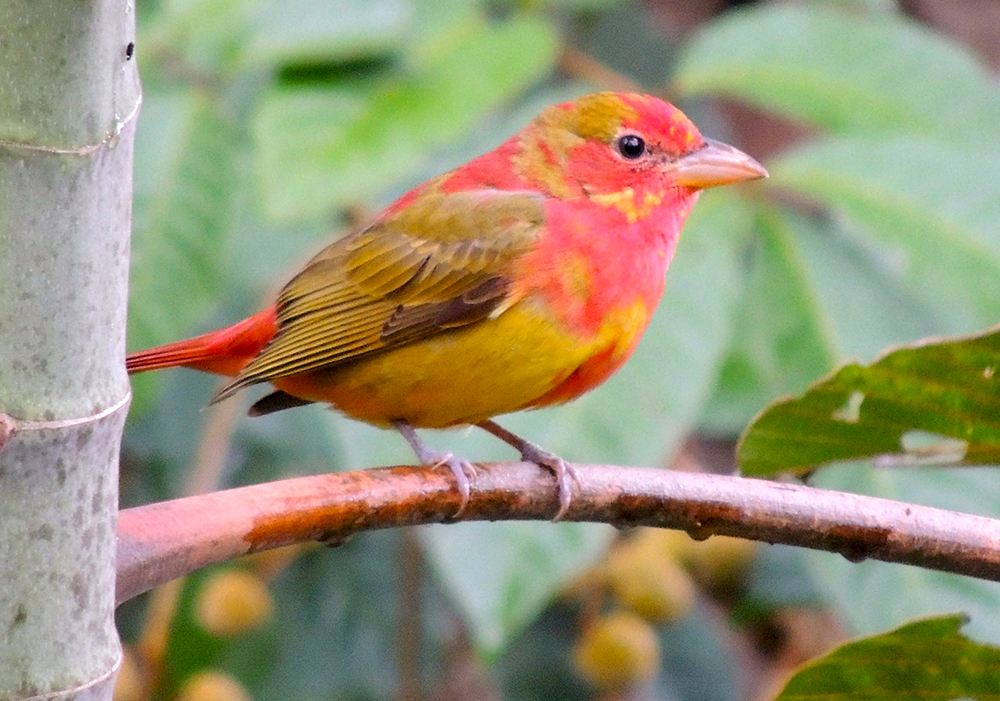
<point x="271" y="125"/>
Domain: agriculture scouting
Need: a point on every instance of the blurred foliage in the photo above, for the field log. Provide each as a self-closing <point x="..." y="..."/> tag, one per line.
<point x="269" y="126"/>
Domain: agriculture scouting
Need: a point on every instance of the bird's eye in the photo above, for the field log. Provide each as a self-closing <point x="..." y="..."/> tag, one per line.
<point x="631" y="146"/>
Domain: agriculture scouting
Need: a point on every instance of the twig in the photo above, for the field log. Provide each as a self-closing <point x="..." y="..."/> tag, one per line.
<point x="162" y="541"/>
<point x="581" y="65"/>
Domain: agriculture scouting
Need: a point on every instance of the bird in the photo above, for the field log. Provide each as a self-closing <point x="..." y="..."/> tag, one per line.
<point x="521" y="279"/>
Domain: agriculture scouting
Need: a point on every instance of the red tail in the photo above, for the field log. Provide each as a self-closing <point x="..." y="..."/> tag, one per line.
<point x="223" y="352"/>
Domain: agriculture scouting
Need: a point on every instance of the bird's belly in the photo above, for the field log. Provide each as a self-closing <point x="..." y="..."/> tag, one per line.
<point x="467" y="375"/>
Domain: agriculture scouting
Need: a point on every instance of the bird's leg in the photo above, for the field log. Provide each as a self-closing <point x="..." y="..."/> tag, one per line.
<point x="464" y="471"/>
<point x="530" y="452"/>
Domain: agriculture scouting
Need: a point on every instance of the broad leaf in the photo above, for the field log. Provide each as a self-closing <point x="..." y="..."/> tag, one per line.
<point x="865" y="307"/>
<point x="925" y="659"/>
<point x="202" y="37"/>
<point x="932" y="403"/>
<point x="928" y="213"/>
<point x="782" y="337"/>
<point x="321" y="149"/>
<point x="630" y="41"/>
<point x="185" y="171"/>
<point x="879" y="73"/>
<point x="319" y="31"/>
<point x="502" y="574"/>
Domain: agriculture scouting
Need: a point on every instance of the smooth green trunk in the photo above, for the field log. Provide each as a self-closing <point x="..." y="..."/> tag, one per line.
<point x="68" y="101"/>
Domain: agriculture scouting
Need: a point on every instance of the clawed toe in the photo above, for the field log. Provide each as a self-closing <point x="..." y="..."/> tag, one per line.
<point x="465" y="475"/>
<point x="530" y="452"/>
<point x="563" y="471"/>
<point x="464" y="471"/>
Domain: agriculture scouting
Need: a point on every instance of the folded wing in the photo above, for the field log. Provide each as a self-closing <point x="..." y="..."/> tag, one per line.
<point x="444" y="262"/>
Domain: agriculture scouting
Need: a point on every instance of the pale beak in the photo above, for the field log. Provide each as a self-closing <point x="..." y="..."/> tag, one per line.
<point x="716" y="163"/>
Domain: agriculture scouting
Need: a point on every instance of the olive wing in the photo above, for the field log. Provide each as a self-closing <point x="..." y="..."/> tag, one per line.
<point x="444" y="262"/>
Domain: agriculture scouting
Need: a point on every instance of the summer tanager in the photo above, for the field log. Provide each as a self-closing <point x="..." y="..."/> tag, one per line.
<point x="521" y="279"/>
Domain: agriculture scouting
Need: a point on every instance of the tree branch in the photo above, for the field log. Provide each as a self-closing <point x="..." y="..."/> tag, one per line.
<point x="159" y="542"/>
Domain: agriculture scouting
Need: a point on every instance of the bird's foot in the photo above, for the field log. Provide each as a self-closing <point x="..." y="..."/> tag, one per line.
<point x="464" y="471"/>
<point x="530" y="452"/>
<point x="563" y="471"/>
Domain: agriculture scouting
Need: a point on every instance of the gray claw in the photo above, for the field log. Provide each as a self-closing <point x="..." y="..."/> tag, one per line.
<point x="465" y="475"/>
<point x="562" y="470"/>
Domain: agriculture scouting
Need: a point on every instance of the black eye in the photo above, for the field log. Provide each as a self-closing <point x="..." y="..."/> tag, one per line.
<point x="631" y="146"/>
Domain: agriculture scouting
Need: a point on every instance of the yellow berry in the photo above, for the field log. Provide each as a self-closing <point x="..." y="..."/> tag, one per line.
<point x="268" y="564"/>
<point x="618" y="650"/>
<point x="210" y="685"/>
<point x="231" y="602"/>
<point x="650" y="584"/>
<point x="676" y="545"/>
<point x="720" y="560"/>
<point x="129" y="685"/>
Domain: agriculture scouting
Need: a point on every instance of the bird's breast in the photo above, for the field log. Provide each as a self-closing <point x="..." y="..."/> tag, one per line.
<point x="597" y="261"/>
<point x="605" y="352"/>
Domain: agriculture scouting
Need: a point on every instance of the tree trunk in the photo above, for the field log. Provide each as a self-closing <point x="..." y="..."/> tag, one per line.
<point x="69" y="95"/>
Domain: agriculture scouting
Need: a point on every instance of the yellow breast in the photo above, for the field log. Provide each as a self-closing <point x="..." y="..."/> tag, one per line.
<point x="522" y="358"/>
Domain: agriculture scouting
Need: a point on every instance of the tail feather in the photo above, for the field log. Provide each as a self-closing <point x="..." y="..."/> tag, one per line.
<point x="223" y="352"/>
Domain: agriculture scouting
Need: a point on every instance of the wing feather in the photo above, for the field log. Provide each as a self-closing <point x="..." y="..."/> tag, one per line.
<point x="444" y="264"/>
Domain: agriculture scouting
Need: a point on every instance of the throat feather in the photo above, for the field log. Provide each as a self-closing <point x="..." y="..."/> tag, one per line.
<point x="595" y="260"/>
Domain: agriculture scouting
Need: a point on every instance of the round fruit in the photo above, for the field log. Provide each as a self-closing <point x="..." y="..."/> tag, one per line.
<point x="210" y="685"/>
<point x="620" y="649"/>
<point x="231" y="602"/>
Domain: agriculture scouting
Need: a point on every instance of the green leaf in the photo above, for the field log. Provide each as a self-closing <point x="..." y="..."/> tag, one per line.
<point x="502" y="574"/>
<point x="846" y="302"/>
<point x="929" y="210"/>
<point x="573" y="5"/>
<point x="322" y="149"/>
<point x="782" y="336"/>
<point x="185" y="157"/>
<point x="436" y="23"/>
<point x="319" y="31"/>
<point x="865" y="306"/>
<point x="925" y="659"/>
<point x="879" y="73"/>
<point x="198" y="38"/>
<point x="865" y="6"/>
<point x="932" y="403"/>
<point x="910" y="249"/>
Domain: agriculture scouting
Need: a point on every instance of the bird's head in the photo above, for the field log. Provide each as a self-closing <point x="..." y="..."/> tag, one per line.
<point x="607" y="142"/>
